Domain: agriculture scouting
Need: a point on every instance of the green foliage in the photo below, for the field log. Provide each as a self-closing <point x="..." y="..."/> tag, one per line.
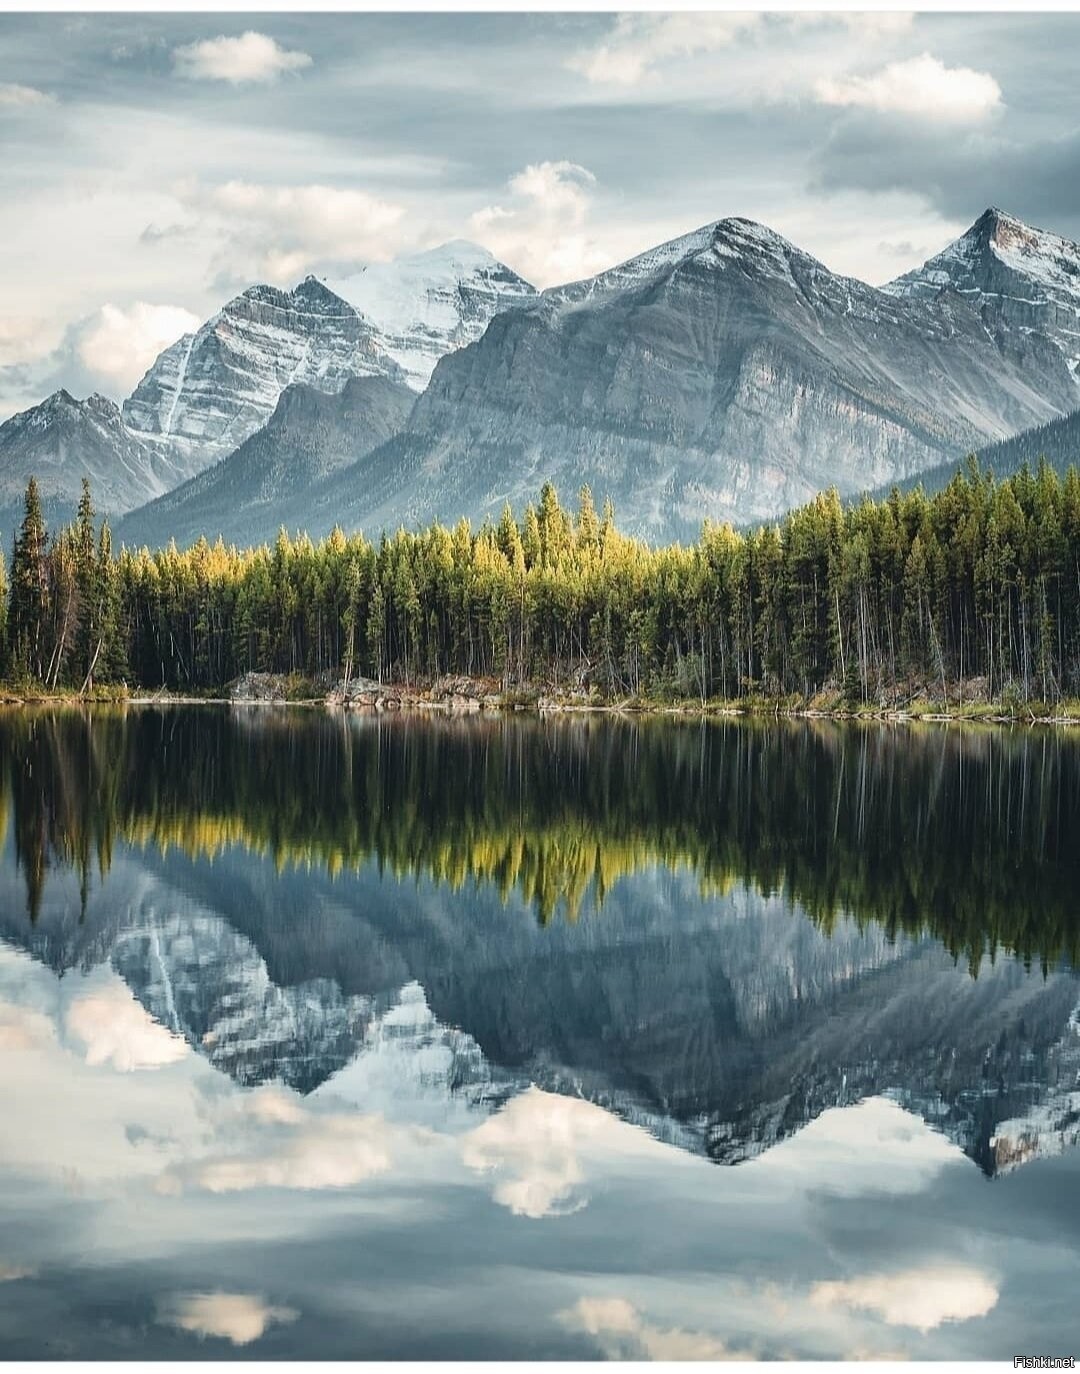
<point x="979" y="584"/>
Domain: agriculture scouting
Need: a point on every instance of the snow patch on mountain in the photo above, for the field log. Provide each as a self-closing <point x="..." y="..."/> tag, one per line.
<point x="428" y="304"/>
<point x="1017" y="276"/>
<point x="210" y="391"/>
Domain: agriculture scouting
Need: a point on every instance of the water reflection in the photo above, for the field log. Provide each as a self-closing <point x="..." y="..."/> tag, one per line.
<point x="294" y="1007"/>
<point x="964" y="834"/>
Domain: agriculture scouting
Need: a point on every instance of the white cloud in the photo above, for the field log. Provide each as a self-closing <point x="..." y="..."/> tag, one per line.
<point x="286" y="1145"/>
<point x="544" y="233"/>
<point x="534" y="1147"/>
<point x="251" y="57"/>
<point x="119" y="1032"/>
<point x="26" y="339"/>
<point x="875" y="24"/>
<point x="118" y="343"/>
<point x="276" y="233"/>
<point x="872" y="1147"/>
<point x="14" y="96"/>
<point x="624" y="1334"/>
<point x="640" y="42"/>
<point x="24" y="1028"/>
<point x="237" y="1317"/>
<point x="920" y="86"/>
<point x="919" y="1298"/>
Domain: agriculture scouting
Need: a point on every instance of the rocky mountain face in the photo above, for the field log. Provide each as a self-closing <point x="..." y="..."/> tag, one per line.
<point x="1019" y="279"/>
<point x="62" y="440"/>
<point x="726" y="374"/>
<point x="248" y="495"/>
<point x="429" y="304"/>
<point x="211" y="390"/>
<point x="1058" y="442"/>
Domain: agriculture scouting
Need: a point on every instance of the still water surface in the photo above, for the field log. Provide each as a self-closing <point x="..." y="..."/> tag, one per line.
<point x="368" y="1037"/>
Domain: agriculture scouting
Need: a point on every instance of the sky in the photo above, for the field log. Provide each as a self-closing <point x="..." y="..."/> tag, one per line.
<point x="156" y="165"/>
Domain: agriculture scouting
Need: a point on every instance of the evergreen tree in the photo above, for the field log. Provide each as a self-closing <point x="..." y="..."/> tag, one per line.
<point x="29" y="590"/>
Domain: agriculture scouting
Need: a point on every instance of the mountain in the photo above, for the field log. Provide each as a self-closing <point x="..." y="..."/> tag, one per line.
<point x="429" y="304"/>
<point x="1058" y="442"/>
<point x="63" y="440"/>
<point x="248" y="495"/>
<point x="211" y="390"/>
<point x="1017" y="277"/>
<point x="727" y="374"/>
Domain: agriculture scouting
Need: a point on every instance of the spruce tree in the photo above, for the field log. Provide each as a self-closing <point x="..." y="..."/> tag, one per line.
<point x="29" y="590"/>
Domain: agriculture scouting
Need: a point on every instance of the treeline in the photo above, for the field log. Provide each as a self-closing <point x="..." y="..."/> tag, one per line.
<point x="965" y="836"/>
<point x="981" y="581"/>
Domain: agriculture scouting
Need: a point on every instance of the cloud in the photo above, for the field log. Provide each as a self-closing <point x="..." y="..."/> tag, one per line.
<point x="875" y="24"/>
<point x="534" y="1147"/>
<point x="9" y="1273"/>
<point x="640" y="42"/>
<point x="14" y="96"/>
<point x="116" y="1030"/>
<point x="154" y="234"/>
<point x="920" y="1298"/>
<point x="253" y="57"/>
<point x="237" y="1317"/>
<point x="920" y="86"/>
<point x="277" y="233"/>
<point x="284" y="1144"/>
<point x="22" y="1028"/>
<point x="118" y="344"/>
<point x="544" y="232"/>
<point x="624" y="1334"/>
<point x="872" y="1147"/>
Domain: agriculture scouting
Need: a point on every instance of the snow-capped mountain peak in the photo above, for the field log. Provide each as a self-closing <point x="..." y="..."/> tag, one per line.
<point x="62" y="440"/>
<point x="1015" y="275"/>
<point x="734" y="240"/>
<point x="211" y="390"/>
<point x="425" y="305"/>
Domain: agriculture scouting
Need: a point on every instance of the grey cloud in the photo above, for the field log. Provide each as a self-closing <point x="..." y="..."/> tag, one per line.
<point x="153" y="235"/>
<point x="960" y="177"/>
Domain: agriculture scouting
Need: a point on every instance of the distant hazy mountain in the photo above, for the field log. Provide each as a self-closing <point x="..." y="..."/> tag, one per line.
<point x="210" y="390"/>
<point x="1017" y="277"/>
<point x="429" y="304"/>
<point x="248" y="495"/>
<point x="726" y="374"/>
<point x="62" y="440"/>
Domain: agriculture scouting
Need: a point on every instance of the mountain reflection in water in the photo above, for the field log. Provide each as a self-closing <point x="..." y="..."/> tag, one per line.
<point x="725" y="935"/>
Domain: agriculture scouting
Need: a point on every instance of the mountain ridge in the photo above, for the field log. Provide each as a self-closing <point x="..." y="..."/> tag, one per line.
<point x="725" y="374"/>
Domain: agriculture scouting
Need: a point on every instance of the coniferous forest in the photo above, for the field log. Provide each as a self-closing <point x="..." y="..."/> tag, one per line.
<point x="977" y="584"/>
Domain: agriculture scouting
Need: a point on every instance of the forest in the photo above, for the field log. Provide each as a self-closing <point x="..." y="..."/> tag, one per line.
<point x="974" y="589"/>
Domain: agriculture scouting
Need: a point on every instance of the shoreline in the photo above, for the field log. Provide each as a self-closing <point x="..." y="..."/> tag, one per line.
<point x="390" y="700"/>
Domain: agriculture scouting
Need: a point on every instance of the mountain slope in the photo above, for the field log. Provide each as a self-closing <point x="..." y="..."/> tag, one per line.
<point x="210" y="390"/>
<point x="1017" y="277"/>
<point x="248" y="495"/>
<point x="429" y="304"/>
<point x="727" y="374"/>
<point x="1058" y="442"/>
<point x="63" y="440"/>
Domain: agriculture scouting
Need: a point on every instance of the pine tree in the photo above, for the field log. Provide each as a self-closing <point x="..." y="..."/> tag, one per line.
<point x="29" y="590"/>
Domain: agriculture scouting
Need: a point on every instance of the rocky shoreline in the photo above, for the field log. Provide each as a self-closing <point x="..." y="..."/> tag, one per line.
<point x="461" y="695"/>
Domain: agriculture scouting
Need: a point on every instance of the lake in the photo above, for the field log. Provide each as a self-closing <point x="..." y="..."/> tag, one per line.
<point x="392" y="1037"/>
